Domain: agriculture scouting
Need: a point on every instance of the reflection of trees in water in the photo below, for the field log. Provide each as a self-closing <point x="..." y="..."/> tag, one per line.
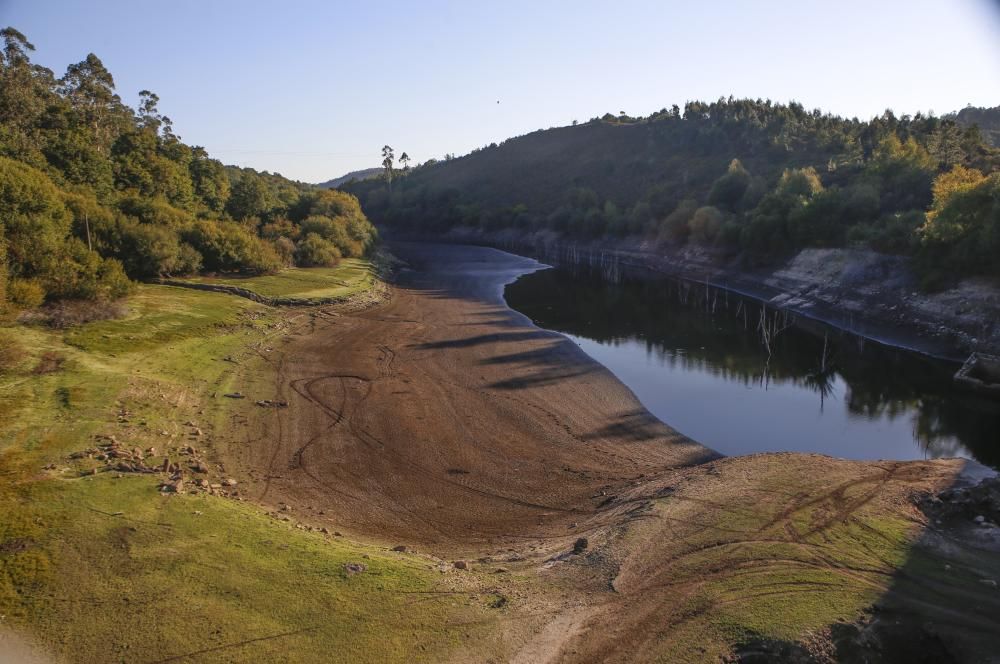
<point x="677" y="325"/>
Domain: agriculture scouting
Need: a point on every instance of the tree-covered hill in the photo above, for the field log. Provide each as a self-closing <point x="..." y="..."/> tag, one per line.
<point x="748" y="177"/>
<point x="94" y="194"/>
<point x="363" y="174"/>
<point x="987" y="119"/>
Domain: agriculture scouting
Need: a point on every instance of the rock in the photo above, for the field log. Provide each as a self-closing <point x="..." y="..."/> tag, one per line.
<point x="230" y="482"/>
<point x="980" y="519"/>
<point x="202" y="483"/>
<point x="234" y="395"/>
<point x="354" y="568"/>
<point x="197" y="432"/>
<point x="401" y="548"/>
<point x="580" y="545"/>
<point x="336" y="533"/>
<point x="324" y="530"/>
<point x="199" y="467"/>
<point x="460" y="564"/>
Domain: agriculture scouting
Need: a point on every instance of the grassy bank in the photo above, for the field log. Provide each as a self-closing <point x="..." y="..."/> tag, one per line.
<point x="352" y="276"/>
<point x="102" y="565"/>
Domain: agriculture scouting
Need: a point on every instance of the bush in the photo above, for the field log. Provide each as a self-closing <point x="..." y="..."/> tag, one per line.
<point x="155" y="251"/>
<point x="69" y="313"/>
<point x="314" y="251"/>
<point x="705" y="224"/>
<point x="81" y="274"/>
<point x="228" y="247"/>
<point x="675" y="228"/>
<point x="25" y="293"/>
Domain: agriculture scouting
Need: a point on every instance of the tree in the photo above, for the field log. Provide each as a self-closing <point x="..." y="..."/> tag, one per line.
<point x="387" y="157"/>
<point x="90" y="90"/>
<point x="404" y="159"/>
<point x="250" y="197"/>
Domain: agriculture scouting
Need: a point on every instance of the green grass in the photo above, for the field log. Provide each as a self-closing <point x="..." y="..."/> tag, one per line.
<point x="315" y="283"/>
<point x="737" y="567"/>
<point x="102" y="568"/>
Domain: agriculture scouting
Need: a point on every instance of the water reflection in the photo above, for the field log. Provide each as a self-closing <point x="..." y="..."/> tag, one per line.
<point x="744" y="379"/>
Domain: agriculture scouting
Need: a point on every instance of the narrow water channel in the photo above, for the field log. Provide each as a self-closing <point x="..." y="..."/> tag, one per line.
<point x="741" y="380"/>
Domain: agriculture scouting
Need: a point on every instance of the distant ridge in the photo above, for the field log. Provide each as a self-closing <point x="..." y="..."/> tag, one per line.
<point x="363" y="174"/>
<point x="987" y="119"/>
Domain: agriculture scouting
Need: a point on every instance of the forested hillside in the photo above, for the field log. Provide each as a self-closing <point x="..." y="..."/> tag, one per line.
<point x="987" y="119"/>
<point x="749" y="178"/>
<point x="363" y="174"/>
<point x="94" y="194"/>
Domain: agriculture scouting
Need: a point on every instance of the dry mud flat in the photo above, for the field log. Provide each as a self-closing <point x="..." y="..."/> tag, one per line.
<point x="444" y="422"/>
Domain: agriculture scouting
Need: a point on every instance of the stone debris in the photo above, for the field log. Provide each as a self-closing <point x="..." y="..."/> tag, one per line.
<point x="354" y="568"/>
<point x="235" y="395"/>
<point x="267" y="403"/>
<point x="460" y="564"/>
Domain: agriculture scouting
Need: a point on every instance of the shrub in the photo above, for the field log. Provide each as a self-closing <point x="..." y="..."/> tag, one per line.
<point x="25" y="293"/>
<point x="70" y="313"/>
<point x="314" y="251"/>
<point x="705" y="224"/>
<point x="675" y="228"/>
<point x="228" y="247"/>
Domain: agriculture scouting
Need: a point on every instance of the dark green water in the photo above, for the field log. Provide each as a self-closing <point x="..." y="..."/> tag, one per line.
<point x="701" y="364"/>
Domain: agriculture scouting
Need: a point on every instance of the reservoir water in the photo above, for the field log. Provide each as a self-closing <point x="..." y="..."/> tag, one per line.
<point x="742" y="378"/>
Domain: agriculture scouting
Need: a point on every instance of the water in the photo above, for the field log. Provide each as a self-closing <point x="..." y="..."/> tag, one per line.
<point x="699" y="361"/>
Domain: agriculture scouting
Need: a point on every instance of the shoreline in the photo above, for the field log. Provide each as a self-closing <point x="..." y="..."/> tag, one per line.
<point x="882" y="305"/>
<point x="446" y="423"/>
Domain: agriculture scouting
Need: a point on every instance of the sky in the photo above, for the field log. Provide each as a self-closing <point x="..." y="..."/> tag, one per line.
<point x="314" y="89"/>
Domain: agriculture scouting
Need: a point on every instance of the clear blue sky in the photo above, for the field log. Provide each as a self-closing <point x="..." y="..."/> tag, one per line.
<point x="312" y="89"/>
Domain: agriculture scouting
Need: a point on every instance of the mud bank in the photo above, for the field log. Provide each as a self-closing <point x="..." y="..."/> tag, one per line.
<point x="443" y="422"/>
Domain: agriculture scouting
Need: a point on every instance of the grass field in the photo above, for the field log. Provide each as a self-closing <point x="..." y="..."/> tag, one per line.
<point x="105" y="567"/>
<point x="316" y="283"/>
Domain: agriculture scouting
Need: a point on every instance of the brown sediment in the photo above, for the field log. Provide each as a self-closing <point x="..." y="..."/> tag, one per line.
<point x="442" y="421"/>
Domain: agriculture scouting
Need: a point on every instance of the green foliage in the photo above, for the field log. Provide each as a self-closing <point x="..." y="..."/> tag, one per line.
<point x="314" y="251"/>
<point x="92" y="190"/>
<point x="250" y="197"/>
<point x="25" y="293"/>
<point x="728" y="190"/>
<point x="229" y="247"/>
<point x="962" y="231"/>
<point x="677" y="225"/>
<point x="706" y="224"/>
<point x="782" y="177"/>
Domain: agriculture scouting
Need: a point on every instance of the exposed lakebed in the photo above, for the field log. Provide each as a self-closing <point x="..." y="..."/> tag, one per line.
<point x="741" y="378"/>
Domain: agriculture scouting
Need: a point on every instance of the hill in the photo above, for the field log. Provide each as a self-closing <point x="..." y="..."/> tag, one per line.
<point x="744" y="177"/>
<point x="987" y="119"/>
<point x="363" y="174"/>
